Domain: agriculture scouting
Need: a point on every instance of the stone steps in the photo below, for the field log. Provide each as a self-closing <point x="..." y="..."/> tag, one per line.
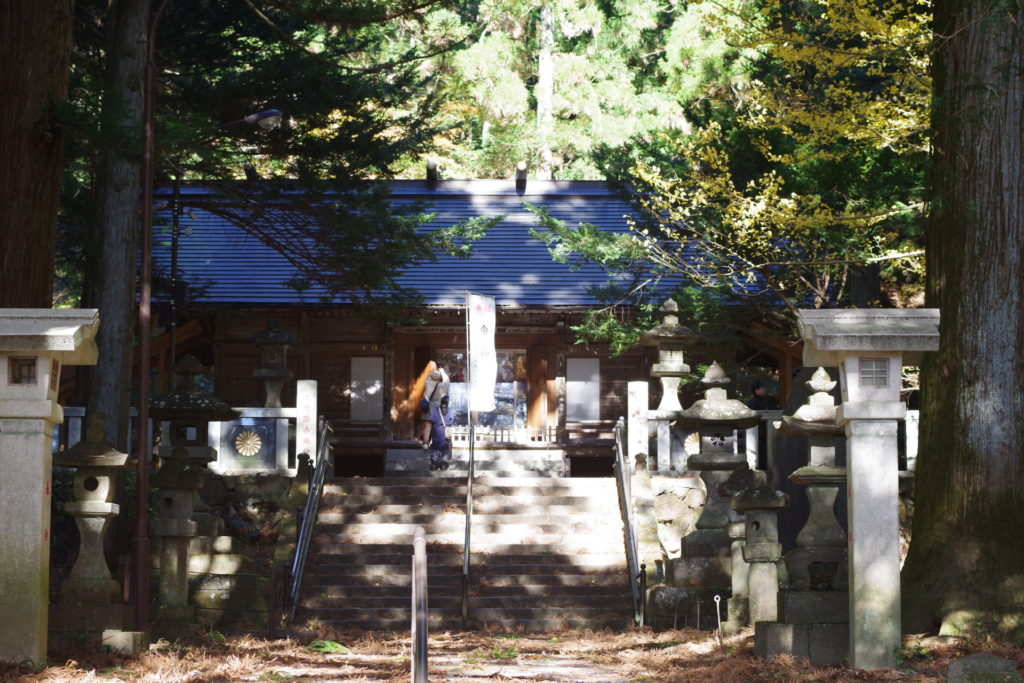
<point x="547" y="553"/>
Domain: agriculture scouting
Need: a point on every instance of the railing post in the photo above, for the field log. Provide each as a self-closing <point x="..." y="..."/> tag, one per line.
<point x="419" y="607"/>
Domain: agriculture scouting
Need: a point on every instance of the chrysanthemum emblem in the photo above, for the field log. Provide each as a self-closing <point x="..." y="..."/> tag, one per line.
<point x="248" y="443"/>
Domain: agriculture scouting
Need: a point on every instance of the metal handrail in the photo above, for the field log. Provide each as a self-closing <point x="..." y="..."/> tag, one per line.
<point x="419" y="606"/>
<point x="466" y="545"/>
<point x="309" y="515"/>
<point x="637" y="571"/>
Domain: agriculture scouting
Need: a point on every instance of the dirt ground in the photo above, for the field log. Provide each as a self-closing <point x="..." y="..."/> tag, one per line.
<point x="462" y="657"/>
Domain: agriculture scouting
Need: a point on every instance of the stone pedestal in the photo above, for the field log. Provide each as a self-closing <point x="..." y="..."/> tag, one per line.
<point x="34" y="343"/>
<point x="870" y="347"/>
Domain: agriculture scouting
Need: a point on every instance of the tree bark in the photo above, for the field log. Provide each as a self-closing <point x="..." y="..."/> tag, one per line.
<point x="118" y="187"/>
<point x="545" y="92"/>
<point x="35" y="51"/>
<point x="965" y="570"/>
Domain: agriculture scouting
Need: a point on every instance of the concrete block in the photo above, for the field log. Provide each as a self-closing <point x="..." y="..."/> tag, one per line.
<point x="125" y="642"/>
<point x="772" y="639"/>
<point x="814" y="607"/>
<point x="983" y="667"/>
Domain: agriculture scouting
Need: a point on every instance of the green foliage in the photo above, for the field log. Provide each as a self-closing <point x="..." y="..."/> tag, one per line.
<point x="770" y="196"/>
<point x="328" y="647"/>
<point x="356" y="102"/>
<point x="608" y="85"/>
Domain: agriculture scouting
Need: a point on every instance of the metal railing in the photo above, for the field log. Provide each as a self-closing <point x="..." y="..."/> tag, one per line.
<point x="309" y="514"/>
<point x="469" y="521"/>
<point x="637" y="571"/>
<point x="419" y="607"/>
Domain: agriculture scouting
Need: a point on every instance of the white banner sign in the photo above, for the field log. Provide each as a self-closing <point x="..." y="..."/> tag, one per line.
<point x="481" y="324"/>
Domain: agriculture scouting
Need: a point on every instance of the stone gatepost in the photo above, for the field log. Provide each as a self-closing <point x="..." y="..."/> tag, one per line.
<point x="870" y="346"/>
<point x="90" y="601"/>
<point x="34" y="343"/>
<point x="706" y="561"/>
<point x="760" y="505"/>
<point x="669" y="338"/>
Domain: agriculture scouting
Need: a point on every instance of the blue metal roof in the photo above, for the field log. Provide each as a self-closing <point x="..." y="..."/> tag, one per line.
<point x="509" y="264"/>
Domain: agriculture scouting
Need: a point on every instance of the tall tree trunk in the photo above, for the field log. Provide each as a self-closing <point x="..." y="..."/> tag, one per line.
<point x="965" y="570"/>
<point x="35" y="51"/>
<point x="545" y="91"/>
<point x="118" y="185"/>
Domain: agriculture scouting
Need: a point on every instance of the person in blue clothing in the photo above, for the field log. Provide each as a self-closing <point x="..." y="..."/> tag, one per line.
<point x="440" y="445"/>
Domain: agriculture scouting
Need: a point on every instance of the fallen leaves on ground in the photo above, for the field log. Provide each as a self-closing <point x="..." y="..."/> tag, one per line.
<point x="636" y="656"/>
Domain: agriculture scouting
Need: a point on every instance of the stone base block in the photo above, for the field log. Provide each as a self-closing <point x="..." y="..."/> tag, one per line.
<point x="88" y="619"/>
<point x="701" y="571"/>
<point x="176" y="622"/>
<point x="707" y="543"/>
<point x="738" y="610"/>
<point x="222" y="619"/>
<point x="125" y="642"/>
<point x="821" y="644"/>
<point x="814" y="607"/>
<point x="242" y="592"/>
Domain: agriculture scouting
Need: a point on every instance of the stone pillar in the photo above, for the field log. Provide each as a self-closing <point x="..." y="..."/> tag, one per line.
<point x="34" y="343"/>
<point x="874" y="533"/>
<point x="669" y="338"/>
<point x="637" y="435"/>
<point x="90" y="600"/>
<point x="870" y="346"/>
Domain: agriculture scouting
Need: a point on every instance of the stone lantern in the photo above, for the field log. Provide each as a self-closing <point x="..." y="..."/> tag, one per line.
<point x="89" y="598"/>
<point x="669" y="338"/>
<point x="706" y="560"/>
<point x="760" y="505"/>
<point x="178" y="480"/>
<point x="273" y="343"/>
<point x="813" y="613"/>
<point x="181" y="475"/>
<point x="34" y="344"/>
<point x="870" y="346"/>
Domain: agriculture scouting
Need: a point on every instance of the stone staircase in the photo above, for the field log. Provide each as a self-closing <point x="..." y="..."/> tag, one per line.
<point x="547" y="554"/>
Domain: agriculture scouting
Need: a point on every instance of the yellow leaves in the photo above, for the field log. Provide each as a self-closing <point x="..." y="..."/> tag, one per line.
<point x="859" y="71"/>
